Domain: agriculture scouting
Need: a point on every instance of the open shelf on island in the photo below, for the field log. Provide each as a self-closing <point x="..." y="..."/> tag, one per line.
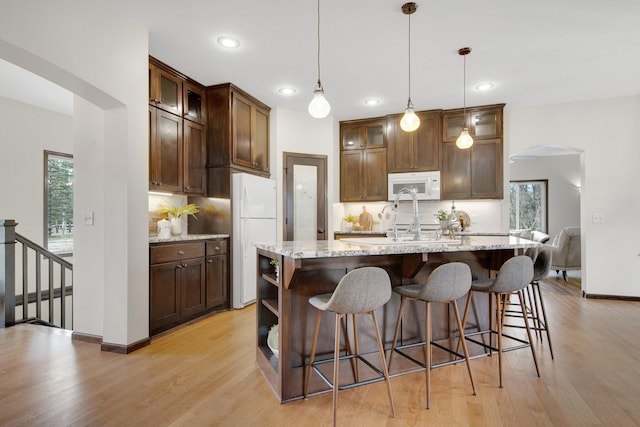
<point x="271" y="278"/>
<point x="271" y="304"/>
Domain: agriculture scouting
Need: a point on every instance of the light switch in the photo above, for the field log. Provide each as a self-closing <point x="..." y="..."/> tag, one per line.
<point x="597" y="217"/>
<point x="87" y="218"/>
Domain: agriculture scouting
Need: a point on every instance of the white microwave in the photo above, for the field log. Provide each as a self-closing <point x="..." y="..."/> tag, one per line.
<point x="426" y="185"/>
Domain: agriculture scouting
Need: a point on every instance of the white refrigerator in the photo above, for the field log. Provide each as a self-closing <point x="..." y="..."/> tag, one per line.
<point x="253" y="207"/>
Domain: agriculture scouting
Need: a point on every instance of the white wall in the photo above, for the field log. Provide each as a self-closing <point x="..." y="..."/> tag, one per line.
<point x="22" y="167"/>
<point x="607" y="132"/>
<point x="89" y="258"/>
<point x="84" y="47"/>
<point x="563" y="175"/>
<point x="297" y="132"/>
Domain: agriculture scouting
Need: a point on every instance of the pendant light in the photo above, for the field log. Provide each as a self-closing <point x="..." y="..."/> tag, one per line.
<point x="409" y="121"/>
<point x="319" y="107"/>
<point x="464" y="140"/>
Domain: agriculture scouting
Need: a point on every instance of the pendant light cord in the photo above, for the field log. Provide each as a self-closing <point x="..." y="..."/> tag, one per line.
<point x="318" y="14"/>
<point x="464" y="89"/>
<point x="409" y="103"/>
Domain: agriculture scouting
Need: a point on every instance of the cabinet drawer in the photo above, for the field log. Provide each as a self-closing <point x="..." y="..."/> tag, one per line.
<point x="173" y="252"/>
<point x="215" y="247"/>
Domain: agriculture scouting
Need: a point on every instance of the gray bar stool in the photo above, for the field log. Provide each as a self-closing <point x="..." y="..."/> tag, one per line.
<point x="445" y="284"/>
<point x="514" y="275"/>
<point x="360" y="291"/>
<point x="534" y="303"/>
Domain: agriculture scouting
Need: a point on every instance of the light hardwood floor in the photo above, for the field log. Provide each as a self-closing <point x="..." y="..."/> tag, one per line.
<point x="204" y="375"/>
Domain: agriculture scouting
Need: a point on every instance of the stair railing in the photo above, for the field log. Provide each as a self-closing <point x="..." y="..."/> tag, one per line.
<point x="57" y="280"/>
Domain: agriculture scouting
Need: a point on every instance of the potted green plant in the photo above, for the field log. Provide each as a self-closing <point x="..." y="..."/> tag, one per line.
<point x="349" y="221"/>
<point x="443" y="217"/>
<point x="276" y="267"/>
<point x="175" y="215"/>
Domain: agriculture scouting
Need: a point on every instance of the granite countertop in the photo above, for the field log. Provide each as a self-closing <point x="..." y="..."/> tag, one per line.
<point x="187" y="237"/>
<point x="338" y="248"/>
<point x="360" y="232"/>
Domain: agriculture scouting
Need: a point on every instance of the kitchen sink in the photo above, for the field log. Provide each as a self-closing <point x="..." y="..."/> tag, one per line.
<point x="405" y="240"/>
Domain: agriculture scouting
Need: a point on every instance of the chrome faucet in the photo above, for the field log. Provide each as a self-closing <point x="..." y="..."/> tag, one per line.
<point x="415" y="225"/>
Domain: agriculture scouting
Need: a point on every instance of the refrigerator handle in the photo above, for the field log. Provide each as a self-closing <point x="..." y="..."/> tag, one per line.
<point x="245" y="238"/>
<point x="244" y="200"/>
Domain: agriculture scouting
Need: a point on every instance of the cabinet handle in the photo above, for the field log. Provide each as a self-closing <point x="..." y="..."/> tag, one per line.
<point x="217" y="248"/>
<point x="185" y="265"/>
<point x="180" y="252"/>
<point x="179" y="266"/>
<point x="210" y="261"/>
<point x="187" y="187"/>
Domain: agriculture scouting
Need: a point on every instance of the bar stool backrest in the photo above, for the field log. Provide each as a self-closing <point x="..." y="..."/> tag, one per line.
<point x="514" y="275"/>
<point x="542" y="264"/>
<point x="448" y="282"/>
<point x="360" y="291"/>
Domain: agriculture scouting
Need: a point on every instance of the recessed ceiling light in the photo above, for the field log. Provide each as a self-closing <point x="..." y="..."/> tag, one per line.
<point x="371" y="101"/>
<point x="228" y="42"/>
<point x="482" y="87"/>
<point x="286" y="91"/>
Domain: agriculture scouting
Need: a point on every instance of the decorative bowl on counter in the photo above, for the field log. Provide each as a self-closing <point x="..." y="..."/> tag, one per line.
<point x="272" y="340"/>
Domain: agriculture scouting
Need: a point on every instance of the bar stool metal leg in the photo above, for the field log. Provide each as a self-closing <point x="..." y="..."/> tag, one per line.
<point x="336" y="367"/>
<point x="464" y="344"/>
<point x="533" y="353"/>
<point x="316" y="330"/>
<point x="544" y="324"/>
<point x="395" y="334"/>
<point x="384" y="364"/>
<point x="427" y="349"/>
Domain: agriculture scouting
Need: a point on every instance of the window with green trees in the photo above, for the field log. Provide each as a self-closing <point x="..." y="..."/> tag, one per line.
<point x="58" y="202"/>
<point x="528" y="205"/>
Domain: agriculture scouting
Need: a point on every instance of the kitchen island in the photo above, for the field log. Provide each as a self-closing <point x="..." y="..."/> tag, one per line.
<point x="307" y="268"/>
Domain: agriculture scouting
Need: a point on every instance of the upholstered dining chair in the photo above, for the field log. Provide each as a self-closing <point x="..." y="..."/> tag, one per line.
<point x="565" y="253"/>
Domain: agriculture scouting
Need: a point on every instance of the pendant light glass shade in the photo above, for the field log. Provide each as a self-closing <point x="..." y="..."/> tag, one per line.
<point x="319" y="107"/>
<point x="464" y="140"/>
<point x="410" y="121"/>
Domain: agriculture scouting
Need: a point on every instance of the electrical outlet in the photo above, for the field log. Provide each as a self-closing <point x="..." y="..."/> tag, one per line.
<point x="597" y="217"/>
<point x="87" y="218"/>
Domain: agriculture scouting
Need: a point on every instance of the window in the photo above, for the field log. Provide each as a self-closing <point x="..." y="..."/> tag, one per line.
<point x="58" y="202"/>
<point x="528" y="205"/>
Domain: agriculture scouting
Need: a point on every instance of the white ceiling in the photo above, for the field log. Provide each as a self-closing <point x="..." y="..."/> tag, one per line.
<point x="541" y="52"/>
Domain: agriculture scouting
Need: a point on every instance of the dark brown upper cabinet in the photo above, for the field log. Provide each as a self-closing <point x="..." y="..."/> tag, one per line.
<point x="165" y="151"/>
<point x="476" y="172"/>
<point x="194" y="102"/>
<point x="237" y="130"/>
<point x="363" y="160"/>
<point x="177" y="135"/>
<point x="417" y="151"/>
<point x="165" y="88"/>
<point x="483" y="122"/>
<point x="358" y="134"/>
<point x="194" y="158"/>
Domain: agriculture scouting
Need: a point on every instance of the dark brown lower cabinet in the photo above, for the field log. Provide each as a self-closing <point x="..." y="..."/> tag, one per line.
<point x="217" y="274"/>
<point x="164" y="294"/>
<point x="182" y="289"/>
<point x="192" y="287"/>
